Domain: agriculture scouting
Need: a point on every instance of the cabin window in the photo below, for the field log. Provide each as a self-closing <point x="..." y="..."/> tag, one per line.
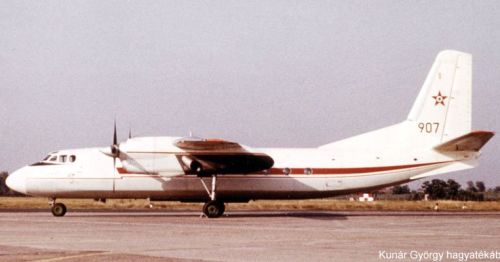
<point x="72" y="158"/>
<point x="286" y="171"/>
<point x="308" y="171"/>
<point x="53" y="159"/>
<point x="46" y="158"/>
<point x="63" y="158"/>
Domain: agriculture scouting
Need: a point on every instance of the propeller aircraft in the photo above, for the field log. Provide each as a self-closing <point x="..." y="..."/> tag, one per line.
<point x="436" y="138"/>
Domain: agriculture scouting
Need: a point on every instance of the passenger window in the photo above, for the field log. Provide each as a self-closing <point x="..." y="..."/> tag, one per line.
<point x="53" y="159"/>
<point x="63" y="158"/>
<point x="72" y="158"/>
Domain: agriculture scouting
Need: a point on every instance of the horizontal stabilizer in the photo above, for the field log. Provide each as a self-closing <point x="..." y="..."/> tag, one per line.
<point x="472" y="141"/>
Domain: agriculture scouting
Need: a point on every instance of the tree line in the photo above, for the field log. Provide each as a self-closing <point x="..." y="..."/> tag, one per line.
<point x="448" y="190"/>
<point x="4" y="190"/>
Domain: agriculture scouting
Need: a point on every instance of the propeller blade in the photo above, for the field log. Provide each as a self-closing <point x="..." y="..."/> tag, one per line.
<point x="115" y="138"/>
<point x="115" y="150"/>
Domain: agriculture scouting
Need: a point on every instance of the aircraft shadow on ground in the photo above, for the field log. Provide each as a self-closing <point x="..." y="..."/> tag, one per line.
<point x="229" y="215"/>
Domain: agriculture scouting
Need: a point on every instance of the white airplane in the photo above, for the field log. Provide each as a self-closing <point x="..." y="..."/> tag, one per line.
<point x="436" y="138"/>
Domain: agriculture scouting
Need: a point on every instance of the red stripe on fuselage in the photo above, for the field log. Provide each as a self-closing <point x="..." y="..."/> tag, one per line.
<point x="331" y="171"/>
<point x="351" y="170"/>
<point x="122" y="170"/>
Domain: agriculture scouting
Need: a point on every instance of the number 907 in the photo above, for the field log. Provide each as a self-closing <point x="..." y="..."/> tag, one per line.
<point x="428" y="127"/>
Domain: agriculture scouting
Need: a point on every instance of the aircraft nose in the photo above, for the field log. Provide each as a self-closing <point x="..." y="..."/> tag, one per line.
<point x="17" y="181"/>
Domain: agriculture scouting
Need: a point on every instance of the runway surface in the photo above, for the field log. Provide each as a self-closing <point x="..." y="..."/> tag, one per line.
<point x="241" y="236"/>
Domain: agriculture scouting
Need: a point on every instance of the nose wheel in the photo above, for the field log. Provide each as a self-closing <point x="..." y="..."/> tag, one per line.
<point x="58" y="209"/>
<point x="213" y="208"/>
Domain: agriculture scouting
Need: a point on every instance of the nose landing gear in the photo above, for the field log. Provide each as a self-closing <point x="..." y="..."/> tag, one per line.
<point x="58" y="209"/>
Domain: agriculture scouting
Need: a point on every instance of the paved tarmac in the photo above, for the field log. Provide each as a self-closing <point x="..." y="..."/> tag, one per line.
<point x="242" y="235"/>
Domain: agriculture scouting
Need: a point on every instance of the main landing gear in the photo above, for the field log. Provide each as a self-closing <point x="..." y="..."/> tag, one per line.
<point x="213" y="208"/>
<point x="58" y="209"/>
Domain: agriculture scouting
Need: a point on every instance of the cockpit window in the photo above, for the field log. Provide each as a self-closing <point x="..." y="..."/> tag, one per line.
<point x="55" y="158"/>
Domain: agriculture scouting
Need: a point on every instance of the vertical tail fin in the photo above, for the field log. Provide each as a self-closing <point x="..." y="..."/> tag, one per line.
<point x="442" y="110"/>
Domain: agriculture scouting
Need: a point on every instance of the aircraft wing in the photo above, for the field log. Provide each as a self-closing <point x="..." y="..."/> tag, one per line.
<point x="208" y="145"/>
<point x="217" y="156"/>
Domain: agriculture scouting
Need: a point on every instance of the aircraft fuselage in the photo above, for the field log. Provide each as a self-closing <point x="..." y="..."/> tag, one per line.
<point x="297" y="173"/>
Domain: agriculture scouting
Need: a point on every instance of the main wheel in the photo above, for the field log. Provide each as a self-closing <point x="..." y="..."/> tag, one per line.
<point x="213" y="209"/>
<point x="58" y="209"/>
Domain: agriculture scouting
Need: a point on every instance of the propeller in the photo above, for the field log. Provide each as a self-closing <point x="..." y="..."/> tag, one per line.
<point x="115" y="148"/>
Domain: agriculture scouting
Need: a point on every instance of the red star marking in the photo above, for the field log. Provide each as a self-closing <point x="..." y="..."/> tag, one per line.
<point x="439" y="99"/>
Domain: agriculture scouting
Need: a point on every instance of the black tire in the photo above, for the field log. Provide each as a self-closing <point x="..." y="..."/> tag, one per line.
<point x="58" y="209"/>
<point x="213" y="209"/>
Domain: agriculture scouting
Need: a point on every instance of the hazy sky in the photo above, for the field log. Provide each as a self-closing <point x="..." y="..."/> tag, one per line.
<point x="263" y="73"/>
